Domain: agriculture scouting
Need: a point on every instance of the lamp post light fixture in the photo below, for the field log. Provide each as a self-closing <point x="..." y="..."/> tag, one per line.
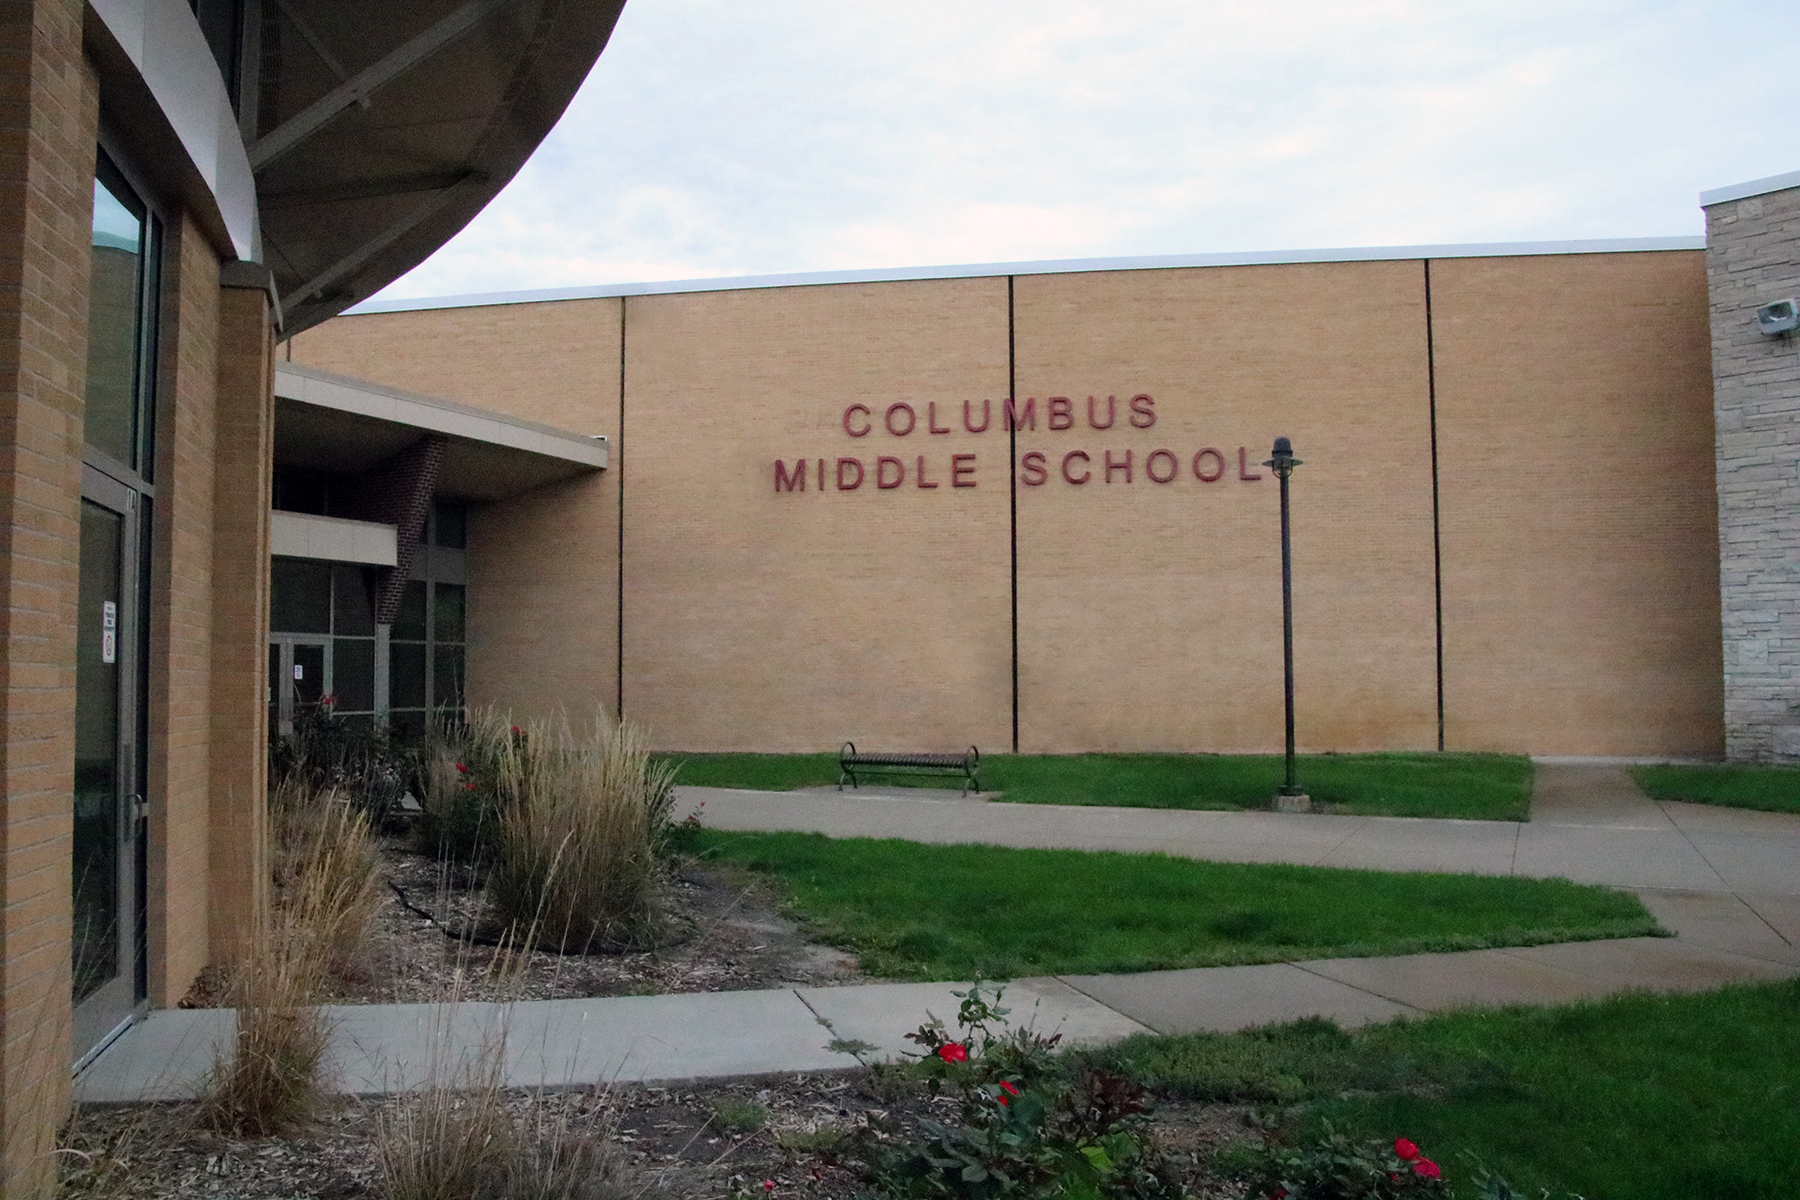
<point x="1283" y="462"/>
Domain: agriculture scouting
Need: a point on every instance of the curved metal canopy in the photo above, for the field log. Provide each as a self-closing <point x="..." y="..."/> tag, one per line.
<point x="377" y="131"/>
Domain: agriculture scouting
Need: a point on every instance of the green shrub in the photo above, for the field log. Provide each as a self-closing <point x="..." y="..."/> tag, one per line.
<point x="1029" y="1125"/>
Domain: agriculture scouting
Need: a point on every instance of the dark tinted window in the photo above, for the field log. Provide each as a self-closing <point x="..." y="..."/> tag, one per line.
<point x="353" y="612"/>
<point x="410" y="622"/>
<point x="451" y="518"/>
<point x="448" y="619"/>
<point x="300" y="596"/>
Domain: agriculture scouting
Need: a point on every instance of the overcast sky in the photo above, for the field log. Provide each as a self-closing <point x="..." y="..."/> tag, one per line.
<point x="723" y="138"/>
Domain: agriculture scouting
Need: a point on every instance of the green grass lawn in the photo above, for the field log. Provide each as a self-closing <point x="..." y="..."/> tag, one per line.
<point x="1746" y="785"/>
<point x="1492" y="787"/>
<point x="1634" y="1098"/>
<point x="915" y="911"/>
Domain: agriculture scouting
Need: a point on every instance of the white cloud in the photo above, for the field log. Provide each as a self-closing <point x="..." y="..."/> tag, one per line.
<point x="717" y="138"/>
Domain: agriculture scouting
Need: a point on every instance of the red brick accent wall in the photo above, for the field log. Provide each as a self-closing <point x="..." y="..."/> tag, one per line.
<point x="47" y="130"/>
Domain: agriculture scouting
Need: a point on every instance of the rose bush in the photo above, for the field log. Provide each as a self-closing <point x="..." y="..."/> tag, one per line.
<point x="1029" y="1125"/>
<point x="1334" y="1168"/>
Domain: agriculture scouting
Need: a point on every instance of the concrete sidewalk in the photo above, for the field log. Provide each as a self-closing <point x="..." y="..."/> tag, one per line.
<point x="1726" y="881"/>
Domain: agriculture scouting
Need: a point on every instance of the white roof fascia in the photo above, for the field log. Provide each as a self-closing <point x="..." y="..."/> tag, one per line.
<point x="1045" y="267"/>
<point x="1756" y="187"/>
<point x="310" y="386"/>
<point x="333" y="539"/>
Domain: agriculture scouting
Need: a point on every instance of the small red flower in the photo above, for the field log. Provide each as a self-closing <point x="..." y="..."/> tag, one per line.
<point x="1427" y="1169"/>
<point x="768" y="1185"/>
<point x="1007" y="1090"/>
<point x="1405" y="1149"/>
<point x="953" y="1052"/>
<point x="462" y="768"/>
<point x="515" y="731"/>
<point x="468" y="787"/>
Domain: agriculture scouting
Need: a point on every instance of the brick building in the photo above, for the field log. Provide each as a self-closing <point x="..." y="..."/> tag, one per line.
<point x="183" y="182"/>
<point x="1018" y="506"/>
<point x="817" y="525"/>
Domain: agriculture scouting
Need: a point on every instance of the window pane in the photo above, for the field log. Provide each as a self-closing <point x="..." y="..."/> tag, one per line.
<point x="353" y="612"/>
<point x="448" y="619"/>
<point x="410" y="623"/>
<point x="452" y="520"/>
<point x="447" y="677"/>
<point x="353" y="674"/>
<point x="299" y="596"/>
<point x="406" y="675"/>
<point x="114" y="313"/>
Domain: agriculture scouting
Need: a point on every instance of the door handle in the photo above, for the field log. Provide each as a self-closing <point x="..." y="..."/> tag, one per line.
<point x="139" y="809"/>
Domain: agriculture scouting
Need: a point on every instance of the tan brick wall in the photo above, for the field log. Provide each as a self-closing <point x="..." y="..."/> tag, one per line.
<point x="238" y="870"/>
<point x="47" y="124"/>
<point x="1581" y="611"/>
<point x="180" y="630"/>
<point x="1580" y="549"/>
<point x="1150" y="613"/>
<point x="758" y="620"/>
<point x="544" y="582"/>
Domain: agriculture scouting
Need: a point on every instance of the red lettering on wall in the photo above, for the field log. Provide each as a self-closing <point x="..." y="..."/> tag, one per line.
<point x="922" y="482"/>
<point x="957" y="470"/>
<point x="821" y="474"/>
<point x="1025" y="418"/>
<point x="1218" y="470"/>
<point x="931" y="419"/>
<point x="856" y="408"/>
<point x="1112" y="466"/>
<point x="790" y="483"/>
<point x="1143" y="411"/>
<point x="987" y="415"/>
<point x="1112" y="413"/>
<point x="1032" y="466"/>
<point x="1060" y="409"/>
<point x="1150" y="466"/>
<point x="1244" y="465"/>
<point x="912" y="418"/>
<point x="852" y="484"/>
<point x="881" y="472"/>
<point x="1070" y="457"/>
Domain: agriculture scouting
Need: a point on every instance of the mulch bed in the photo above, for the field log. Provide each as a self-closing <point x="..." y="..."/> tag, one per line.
<point x="684" y="1142"/>
<point x="722" y="932"/>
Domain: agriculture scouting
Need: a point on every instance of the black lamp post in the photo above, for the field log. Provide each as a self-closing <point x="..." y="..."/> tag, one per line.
<point x="1283" y="462"/>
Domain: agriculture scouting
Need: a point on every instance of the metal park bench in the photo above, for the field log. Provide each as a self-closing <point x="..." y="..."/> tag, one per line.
<point x="851" y="762"/>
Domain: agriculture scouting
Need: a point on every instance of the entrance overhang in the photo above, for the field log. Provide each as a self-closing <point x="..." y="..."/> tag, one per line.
<point x="343" y="426"/>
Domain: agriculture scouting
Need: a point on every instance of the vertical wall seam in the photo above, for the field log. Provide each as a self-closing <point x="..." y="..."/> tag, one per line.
<point x="1437" y="550"/>
<point x="1012" y="498"/>
<point x="617" y="461"/>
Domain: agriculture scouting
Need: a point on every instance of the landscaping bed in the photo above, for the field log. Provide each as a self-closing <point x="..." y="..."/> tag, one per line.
<point x="1487" y="787"/>
<point x="1631" y="1098"/>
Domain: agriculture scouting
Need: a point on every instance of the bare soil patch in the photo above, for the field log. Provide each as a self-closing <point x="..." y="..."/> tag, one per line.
<point x="724" y="1139"/>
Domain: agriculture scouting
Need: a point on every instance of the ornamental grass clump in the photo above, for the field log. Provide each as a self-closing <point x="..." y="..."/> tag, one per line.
<point x="580" y="820"/>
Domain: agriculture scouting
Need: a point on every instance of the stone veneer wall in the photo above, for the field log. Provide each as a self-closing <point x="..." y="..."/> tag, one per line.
<point x="1751" y="260"/>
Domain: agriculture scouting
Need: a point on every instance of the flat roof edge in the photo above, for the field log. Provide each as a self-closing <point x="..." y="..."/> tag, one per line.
<point x="1756" y="187"/>
<point x="1047" y="267"/>
<point x="452" y="418"/>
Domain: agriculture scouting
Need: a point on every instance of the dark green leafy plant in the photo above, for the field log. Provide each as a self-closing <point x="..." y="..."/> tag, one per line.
<point x="1332" y="1167"/>
<point x="1028" y="1126"/>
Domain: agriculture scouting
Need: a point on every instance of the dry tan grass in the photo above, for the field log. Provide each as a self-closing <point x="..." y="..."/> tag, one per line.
<point x="326" y="893"/>
<point x="578" y="828"/>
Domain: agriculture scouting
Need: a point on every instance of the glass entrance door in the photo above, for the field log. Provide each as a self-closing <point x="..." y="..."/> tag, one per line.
<point x="106" y="941"/>
<point x="299" y="677"/>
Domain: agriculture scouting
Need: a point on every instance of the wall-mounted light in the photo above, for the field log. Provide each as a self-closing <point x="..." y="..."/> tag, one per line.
<point x="1778" y="319"/>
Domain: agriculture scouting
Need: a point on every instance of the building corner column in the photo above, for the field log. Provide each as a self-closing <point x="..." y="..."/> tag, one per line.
<point x="244" y="450"/>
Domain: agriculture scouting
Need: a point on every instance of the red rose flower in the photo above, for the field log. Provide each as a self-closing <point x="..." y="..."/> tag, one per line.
<point x="768" y="1185"/>
<point x="462" y="768"/>
<point x="953" y="1052"/>
<point x="1006" y="1090"/>
<point x="1427" y="1169"/>
<point x="1405" y="1149"/>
